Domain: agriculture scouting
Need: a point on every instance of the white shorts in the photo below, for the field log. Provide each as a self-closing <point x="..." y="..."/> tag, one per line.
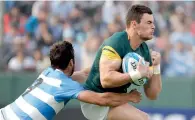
<point x="94" y="112"/>
<point x="1" y="116"/>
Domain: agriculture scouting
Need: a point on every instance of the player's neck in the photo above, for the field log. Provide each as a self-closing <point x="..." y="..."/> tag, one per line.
<point x="66" y="72"/>
<point x="134" y="40"/>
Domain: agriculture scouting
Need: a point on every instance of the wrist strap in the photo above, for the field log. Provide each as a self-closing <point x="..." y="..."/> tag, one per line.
<point x="156" y="69"/>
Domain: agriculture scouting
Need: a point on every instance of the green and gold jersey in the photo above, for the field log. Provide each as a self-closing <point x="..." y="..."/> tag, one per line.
<point x="115" y="47"/>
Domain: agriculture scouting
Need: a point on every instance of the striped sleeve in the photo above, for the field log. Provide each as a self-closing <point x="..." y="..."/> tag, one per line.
<point x="110" y="53"/>
<point x="71" y="89"/>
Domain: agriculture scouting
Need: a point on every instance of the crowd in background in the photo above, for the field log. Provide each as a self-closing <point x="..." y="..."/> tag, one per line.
<point x="30" y="28"/>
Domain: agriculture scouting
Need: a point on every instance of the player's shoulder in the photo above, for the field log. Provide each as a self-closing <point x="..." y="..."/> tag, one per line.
<point x="119" y="34"/>
<point x="54" y="74"/>
<point x="116" y="39"/>
<point x="116" y="36"/>
<point x="115" y="44"/>
<point x="47" y="71"/>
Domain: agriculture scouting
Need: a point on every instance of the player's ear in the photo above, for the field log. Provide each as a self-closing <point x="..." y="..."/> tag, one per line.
<point x="134" y="24"/>
<point x="71" y="63"/>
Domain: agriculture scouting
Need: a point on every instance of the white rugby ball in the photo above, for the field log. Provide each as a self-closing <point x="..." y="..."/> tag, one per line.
<point x="129" y="64"/>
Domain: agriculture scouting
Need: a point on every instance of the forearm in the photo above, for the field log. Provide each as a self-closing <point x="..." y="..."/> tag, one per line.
<point x="92" y="98"/>
<point x="153" y="87"/>
<point x="116" y="99"/>
<point x="104" y="99"/>
<point x="115" y="79"/>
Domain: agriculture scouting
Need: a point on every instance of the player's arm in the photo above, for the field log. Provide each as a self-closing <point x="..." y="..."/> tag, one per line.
<point x="153" y="87"/>
<point x="110" y="63"/>
<point x="76" y="91"/>
<point x="81" y="76"/>
<point x="109" y="99"/>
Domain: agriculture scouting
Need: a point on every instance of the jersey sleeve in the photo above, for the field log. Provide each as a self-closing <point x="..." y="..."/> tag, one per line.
<point x="110" y="53"/>
<point x="77" y="88"/>
<point x="111" y="50"/>
<point x="71" y="89"/>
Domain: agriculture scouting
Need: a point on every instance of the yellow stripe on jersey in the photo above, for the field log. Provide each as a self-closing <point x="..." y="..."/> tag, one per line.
<point x="110" y="53"/>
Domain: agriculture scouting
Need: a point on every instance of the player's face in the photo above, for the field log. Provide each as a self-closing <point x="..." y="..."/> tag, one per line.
<point x="145" y="29"/>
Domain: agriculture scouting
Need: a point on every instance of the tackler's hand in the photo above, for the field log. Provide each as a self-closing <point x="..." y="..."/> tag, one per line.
<point x="135" y="96"/>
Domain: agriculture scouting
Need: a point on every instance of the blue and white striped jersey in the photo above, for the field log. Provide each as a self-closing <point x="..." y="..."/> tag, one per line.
<point x="45" y="98"/>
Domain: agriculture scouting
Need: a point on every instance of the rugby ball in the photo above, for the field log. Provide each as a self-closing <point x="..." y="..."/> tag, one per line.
<point x="129" y="64"/>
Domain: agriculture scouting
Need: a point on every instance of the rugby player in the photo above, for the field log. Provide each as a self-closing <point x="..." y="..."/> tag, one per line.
<point x="106" y="72"/>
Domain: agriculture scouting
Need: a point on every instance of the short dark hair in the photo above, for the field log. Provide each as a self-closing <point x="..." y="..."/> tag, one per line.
<point x="136" y="12"/>
<point x="60" y="54"/>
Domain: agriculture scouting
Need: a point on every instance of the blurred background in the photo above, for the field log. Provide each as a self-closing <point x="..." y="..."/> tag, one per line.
<point x="29" y="28"/>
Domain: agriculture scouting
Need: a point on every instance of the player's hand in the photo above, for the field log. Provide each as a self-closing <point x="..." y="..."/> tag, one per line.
<point x="150" y="72"/>
<point x="135" y="96"/>
<point x="156" y="57"/>
<point x="143" y="69"/>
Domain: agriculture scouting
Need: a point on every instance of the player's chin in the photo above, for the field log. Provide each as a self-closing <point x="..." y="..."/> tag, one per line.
<point x="148" y="38"/>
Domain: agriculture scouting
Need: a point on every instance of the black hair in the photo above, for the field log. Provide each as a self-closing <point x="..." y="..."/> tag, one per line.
<point x="60" y="54"/>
